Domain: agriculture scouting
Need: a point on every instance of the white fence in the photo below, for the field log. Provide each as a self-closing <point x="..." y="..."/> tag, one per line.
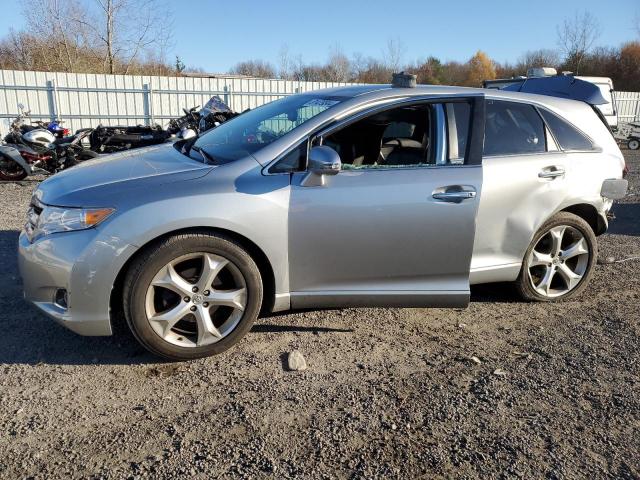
<point x="628" y="106"/>
<point x="86" y="100"/>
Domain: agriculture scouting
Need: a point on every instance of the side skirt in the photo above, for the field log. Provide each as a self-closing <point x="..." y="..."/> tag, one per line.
<point x="498" y="273"/>
<point x="410" y="299"/>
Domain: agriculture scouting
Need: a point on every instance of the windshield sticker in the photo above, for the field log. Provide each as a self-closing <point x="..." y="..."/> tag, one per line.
<point x="320" y="102"/>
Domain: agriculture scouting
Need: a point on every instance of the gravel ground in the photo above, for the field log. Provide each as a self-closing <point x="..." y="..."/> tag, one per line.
<point x="553" y="390"/>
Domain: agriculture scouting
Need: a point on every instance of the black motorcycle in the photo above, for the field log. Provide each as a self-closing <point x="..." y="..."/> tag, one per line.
<point x="195" y="122"/>
<point x="115" y="139"/>
<point x="35" y="150"/>
<point x="189" y="121"/>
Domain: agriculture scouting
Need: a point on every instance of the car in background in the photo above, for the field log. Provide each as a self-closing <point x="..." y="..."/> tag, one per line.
<point x="604" y="84"/>
<point x="368" y="195"/>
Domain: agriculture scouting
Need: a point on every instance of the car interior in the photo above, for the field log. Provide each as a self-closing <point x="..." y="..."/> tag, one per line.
<point x="397" y="137"/>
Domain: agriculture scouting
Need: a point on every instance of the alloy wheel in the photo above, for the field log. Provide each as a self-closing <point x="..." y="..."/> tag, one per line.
<point x="559" y="261"/>
<point x="196" y="299"/>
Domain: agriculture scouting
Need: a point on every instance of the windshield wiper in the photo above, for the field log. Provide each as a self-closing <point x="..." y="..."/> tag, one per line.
<point x="208" y="159"/>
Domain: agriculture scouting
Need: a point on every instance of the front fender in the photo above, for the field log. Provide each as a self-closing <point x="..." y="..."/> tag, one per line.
<point x="14" y="155"/>
<point x="247" y="204"/>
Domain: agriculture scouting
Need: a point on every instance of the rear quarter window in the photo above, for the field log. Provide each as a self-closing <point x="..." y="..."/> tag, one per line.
<point x="567" y="136"/>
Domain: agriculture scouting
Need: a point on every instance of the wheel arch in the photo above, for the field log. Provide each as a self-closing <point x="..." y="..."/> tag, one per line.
<point x="589" y="214"/>
<point x="256" y="253"/>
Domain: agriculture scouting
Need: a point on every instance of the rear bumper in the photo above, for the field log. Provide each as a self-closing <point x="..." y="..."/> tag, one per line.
<point x="80" y="263"/>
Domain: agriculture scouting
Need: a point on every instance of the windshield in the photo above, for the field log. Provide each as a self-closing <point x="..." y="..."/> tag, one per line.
<point x="249" y="132"/>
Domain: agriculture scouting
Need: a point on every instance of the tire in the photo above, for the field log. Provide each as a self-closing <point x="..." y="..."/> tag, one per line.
<point x="536" y="282"/>
<point x="81" y="157"/>
<point x="87" y="155"/>
<point x="12" y="172"/>
<point x="240" y="285"/>
<point x="633" y="144"/>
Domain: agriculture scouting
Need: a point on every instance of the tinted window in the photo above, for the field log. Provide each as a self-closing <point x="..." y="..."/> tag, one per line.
<point x="568" y="137"/>
<point x="513" y="128"/>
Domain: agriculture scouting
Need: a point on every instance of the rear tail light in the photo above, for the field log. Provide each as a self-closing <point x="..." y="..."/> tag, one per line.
<point x="66" y="132"/>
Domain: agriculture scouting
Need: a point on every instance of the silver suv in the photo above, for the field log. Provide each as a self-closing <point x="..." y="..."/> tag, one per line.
<point x="356" y="196"/>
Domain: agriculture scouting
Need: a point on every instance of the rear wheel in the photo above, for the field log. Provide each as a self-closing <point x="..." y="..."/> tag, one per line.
<point x="87" y="155"/>
<point x="559" y="261"/>
<point x="633" y="144"/>
<point x="80" y="157"/>
<point x="11" y="170"/>
<point x="192" y="296"/>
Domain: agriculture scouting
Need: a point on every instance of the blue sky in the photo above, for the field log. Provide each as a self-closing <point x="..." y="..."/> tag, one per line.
<point x="216" y="34"/>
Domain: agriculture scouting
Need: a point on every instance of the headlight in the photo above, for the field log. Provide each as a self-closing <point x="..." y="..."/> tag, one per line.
<point x="58" y="219"/>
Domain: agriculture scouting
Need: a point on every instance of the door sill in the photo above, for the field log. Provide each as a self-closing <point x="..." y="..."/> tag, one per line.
<point x="385" y="298"/>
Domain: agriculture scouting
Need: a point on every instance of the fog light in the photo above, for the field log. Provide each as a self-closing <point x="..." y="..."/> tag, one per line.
<point x="61" y="298"/>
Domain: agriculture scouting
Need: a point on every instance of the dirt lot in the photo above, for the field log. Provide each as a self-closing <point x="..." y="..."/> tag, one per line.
<point x="388" y="392"/>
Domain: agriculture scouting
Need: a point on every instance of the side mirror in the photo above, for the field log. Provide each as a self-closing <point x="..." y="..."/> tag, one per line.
<point x="323" y="161"/>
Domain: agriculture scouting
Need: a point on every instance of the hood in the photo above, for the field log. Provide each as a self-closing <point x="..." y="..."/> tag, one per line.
<point x="562" y="86"/>
<point x="141" y="168"/>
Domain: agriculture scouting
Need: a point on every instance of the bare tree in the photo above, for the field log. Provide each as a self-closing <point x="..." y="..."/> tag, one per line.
<point x="338" y="67"/>
<point x="285" y="62"/>
<point x="393" y="54"/>
<point x="93" y="36"/>
<point x="16" y="51"/>
<point x="255" y="68"/>
<point x="538" y="58"/>
<point x="369" y="70"/>
<point x="125" y="29"/>
<point x="576" y="37"/>
<point x="57" y="39"/>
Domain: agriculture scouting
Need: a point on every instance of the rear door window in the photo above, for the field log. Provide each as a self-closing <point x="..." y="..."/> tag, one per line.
<point x="567" y="136"/>
<point x="513" y="129"/>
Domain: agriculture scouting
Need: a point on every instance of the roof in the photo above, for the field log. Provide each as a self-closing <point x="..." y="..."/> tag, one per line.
<point x="373" y="92"/>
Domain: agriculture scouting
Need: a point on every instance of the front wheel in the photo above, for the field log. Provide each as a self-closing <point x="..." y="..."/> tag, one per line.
<point x="633" y="144"/>
<point x="10" y="170"/>
<point x="192" y="296"/>
<point x="559" y="260"/>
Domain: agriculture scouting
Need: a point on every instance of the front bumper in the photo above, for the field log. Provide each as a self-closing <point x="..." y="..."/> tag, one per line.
<point x="85" y="265"/>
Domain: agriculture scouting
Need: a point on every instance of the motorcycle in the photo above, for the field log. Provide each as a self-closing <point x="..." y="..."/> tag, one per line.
<point x="214" y="113"/>
<point x="29" y="151"/>
<point x="195" y="122"/>
<point x="115" y="139"/>
<point x="55" y="127"/>
<point x="186" y="126"/>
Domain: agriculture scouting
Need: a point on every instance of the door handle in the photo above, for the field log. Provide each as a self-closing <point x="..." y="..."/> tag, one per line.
<point x="454" y="194"/>
<point x="551" y="172"/>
